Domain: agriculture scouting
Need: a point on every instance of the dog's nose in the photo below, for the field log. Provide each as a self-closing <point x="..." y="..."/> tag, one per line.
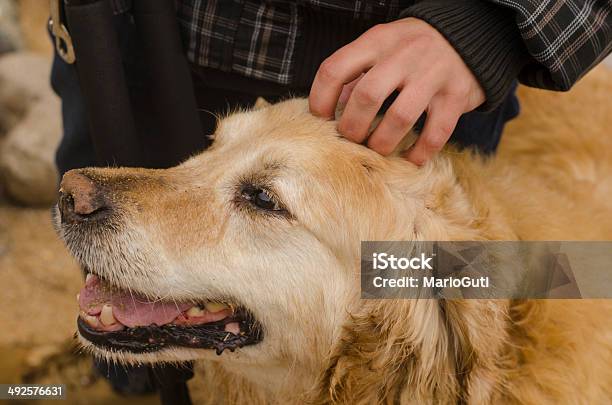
<point x="81" y="199"/>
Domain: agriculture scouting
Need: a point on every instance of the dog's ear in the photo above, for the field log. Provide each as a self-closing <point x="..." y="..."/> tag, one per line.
<point x="415" y="351"/>
<point x="261" y="103"/>
<point x="445" y="204"/>
<point x="390" y="347"/>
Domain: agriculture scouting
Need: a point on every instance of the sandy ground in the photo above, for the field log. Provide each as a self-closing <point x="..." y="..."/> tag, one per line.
<point x="38" y="310"/>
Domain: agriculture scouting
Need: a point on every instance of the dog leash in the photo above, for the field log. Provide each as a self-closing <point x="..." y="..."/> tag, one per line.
<point x="86" y="37"/>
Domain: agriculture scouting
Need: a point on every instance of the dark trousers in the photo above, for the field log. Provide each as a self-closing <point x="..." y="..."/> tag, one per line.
<point x="76" y="150"/>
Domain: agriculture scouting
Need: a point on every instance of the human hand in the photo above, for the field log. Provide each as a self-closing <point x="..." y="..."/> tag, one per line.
<point x="407" y="55"/>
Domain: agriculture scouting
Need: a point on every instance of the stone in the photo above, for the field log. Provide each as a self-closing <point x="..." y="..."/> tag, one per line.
<point x="10" y="38"/>
<point x="30" y="115"/>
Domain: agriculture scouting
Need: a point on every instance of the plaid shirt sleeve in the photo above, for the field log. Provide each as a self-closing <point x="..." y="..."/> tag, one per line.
<point x="566" y="38"/>
<point x="549" y="44"/>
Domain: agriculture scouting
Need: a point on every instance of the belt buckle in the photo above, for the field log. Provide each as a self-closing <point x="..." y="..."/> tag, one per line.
<point x="63" y="41"/>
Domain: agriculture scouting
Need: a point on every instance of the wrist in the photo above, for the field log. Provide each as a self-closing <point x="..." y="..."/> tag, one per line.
<point x="486" y="38"/>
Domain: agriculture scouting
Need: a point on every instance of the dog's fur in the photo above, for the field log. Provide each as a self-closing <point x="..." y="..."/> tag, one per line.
<point x="184" y="233"/>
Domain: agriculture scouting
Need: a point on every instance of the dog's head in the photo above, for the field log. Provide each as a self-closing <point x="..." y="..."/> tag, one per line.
<point x="250" y="247"/>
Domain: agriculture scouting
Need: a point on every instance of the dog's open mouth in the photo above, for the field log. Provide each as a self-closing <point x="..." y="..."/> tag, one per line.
<point x="122" y="320"/>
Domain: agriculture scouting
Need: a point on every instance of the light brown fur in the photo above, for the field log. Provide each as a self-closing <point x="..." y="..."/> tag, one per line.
<point x="183" y="236"/>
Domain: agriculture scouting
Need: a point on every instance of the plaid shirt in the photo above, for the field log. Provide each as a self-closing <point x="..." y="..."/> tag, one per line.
<point x="566" y="38"/>
<point x="257" y="39"/>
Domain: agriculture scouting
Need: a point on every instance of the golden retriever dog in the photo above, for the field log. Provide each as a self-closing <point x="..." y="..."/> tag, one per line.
<point x="246" y="258"/>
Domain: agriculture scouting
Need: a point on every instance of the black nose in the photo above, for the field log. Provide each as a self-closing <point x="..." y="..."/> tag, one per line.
<point x="81" y="199"/>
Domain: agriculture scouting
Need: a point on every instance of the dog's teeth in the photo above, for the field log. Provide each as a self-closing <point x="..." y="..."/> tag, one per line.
<point x="106" y="316"/>
<point x="91" y="321"/>
<point x="88" y="278"/>
<point x="233" y="327"/>
<point x="215" y="306"/>
<point x="195" y="311"/>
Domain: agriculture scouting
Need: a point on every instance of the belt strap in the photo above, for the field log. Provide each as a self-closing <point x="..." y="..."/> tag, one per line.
<point x="102" y="82"/>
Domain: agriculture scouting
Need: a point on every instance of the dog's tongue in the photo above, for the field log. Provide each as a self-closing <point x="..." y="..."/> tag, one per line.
<point x="137" y="311"/>
<point x="128" y="308"/>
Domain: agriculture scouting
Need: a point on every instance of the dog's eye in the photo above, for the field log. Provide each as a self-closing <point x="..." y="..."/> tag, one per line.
<point x="260" y="198"/>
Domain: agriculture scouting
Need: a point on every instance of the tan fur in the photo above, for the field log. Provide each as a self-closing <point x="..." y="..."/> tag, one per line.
<point x="184" y="236"/>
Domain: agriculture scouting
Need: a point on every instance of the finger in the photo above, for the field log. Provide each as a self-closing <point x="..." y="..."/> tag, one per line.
<point x="347" y="89"/>
<point x="401" y="117"/>
<point x="345" y="65"/>
<point x="442" y="117"/>
<point x="367" y="97"/>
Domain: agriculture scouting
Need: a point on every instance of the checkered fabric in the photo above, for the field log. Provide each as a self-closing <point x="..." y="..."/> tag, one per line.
<point x="566" y="37"/>
<point x="257" y="39"/>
